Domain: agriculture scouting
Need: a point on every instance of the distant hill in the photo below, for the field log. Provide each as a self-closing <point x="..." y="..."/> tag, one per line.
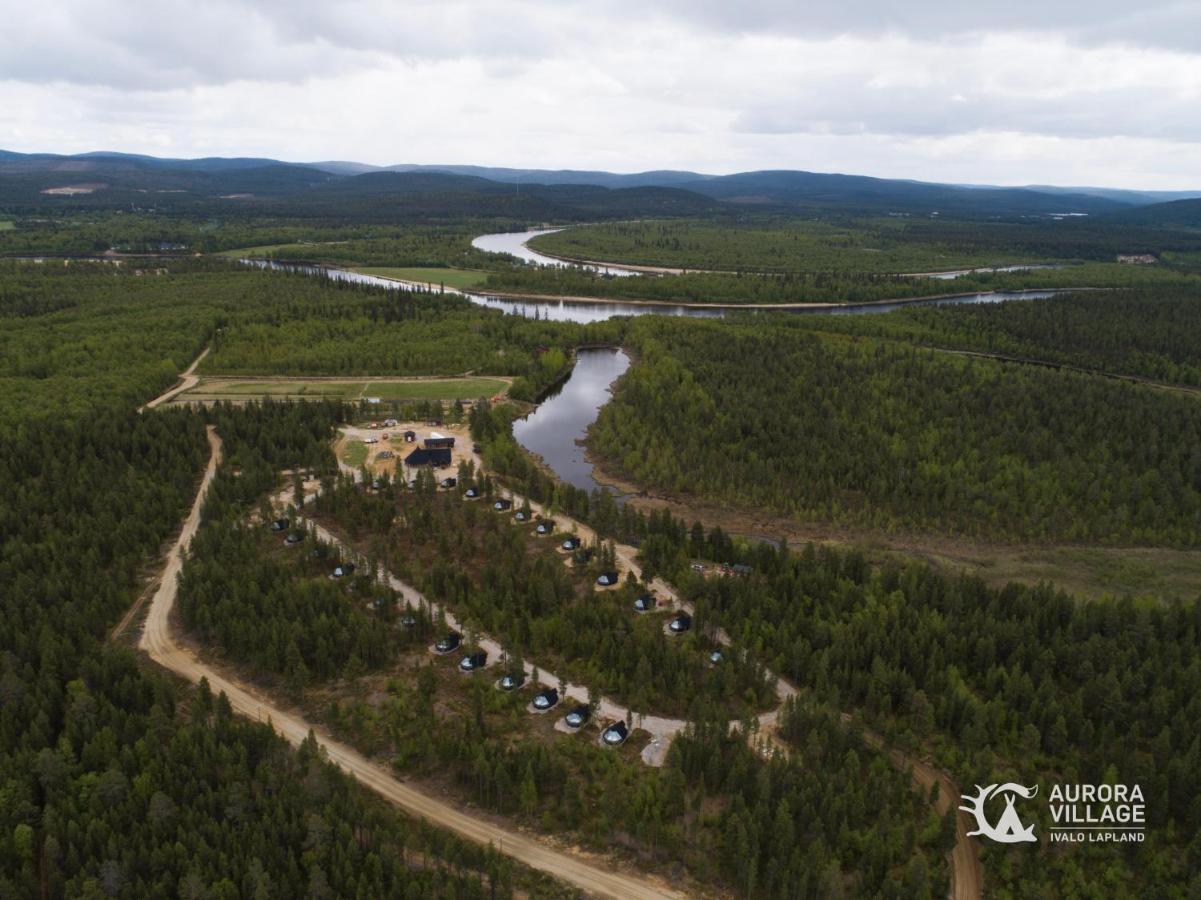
<point x="859" y="192"/>
<point x="108" y="179"/>
<point x="1176" y="214"/>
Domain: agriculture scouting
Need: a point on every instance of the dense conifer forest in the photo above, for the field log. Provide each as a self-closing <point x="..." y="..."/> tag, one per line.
<point x="885" y="435"/>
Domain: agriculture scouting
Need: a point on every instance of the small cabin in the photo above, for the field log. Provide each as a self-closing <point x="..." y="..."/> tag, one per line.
<point x="608" y="579"/>
<point x="410" y="437"/>
<point x="681" y="623"/>
<point x="511" y="681"/>
<point x="473" y="661"/>
<point x="520" y="516"/>
<point x="343" y="570"/>
<point x="472" y="493"/>
<point x="408" y="620"/>
<point x="615" y="735"/>
<point x="438" y="459"/>
<point x="546" y="699"/>
<point x="715" y="657"/>
<point x="294" y="538"/>
<point x="449" y="482"/>
<point x="571" y="543"/>
<point x="449" y="643"/>
<point x="502" y="504"/>
<point x="439" y="442"/>
<point x="645" y="603"/>
<point x="281" y="524"/>
<point x="546" y="526"/>
<point x="578" y="716"/>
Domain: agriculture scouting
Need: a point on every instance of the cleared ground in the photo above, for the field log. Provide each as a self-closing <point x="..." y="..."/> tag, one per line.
<point x="6" y="225"/>
<point x="218" y="388"/>
<point x="455" y="278"/>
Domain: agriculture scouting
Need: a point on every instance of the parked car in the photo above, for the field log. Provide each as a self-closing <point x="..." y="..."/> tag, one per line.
<point x="473" y="661"/>
<point x="449" y="643"/>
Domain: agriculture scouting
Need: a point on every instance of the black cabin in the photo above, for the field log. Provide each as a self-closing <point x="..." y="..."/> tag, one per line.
<point x="436" y="458"/>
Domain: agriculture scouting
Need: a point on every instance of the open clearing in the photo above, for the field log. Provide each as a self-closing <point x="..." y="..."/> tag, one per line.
<point x="228" y="388"/>
<point x="5" y="225"/>
<point x="455" y="278"/>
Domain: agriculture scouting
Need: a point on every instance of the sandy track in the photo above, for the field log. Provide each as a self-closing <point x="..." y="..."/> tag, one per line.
<point x="159" y="644"/>
<point x="187" y="380"/>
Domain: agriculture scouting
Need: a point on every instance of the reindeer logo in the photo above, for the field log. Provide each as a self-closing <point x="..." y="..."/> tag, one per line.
<point x="1009" y="828"/>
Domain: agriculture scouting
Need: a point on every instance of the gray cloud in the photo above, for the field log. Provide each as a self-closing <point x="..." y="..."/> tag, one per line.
<point x="918" y="90"/>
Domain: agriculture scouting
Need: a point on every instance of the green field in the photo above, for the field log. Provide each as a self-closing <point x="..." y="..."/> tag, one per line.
<point x="5" y="225"/>
<point x="354" y="453"/>
<point x="334" y="389"/>
<point x="455" y="278"/>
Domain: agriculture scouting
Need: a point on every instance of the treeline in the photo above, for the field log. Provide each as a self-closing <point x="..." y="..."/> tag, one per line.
<point x="1150" y="333"/>
<point x="87" y="334"/>
<point x="844" y="813"/>
<point x="785" y="824"/>
<point x="516" y="587"/>
<point x="882" y="435"/>
<point x="839" y="242"/>
<point x="1011" y="684"/>
<point x="115" y="781"/>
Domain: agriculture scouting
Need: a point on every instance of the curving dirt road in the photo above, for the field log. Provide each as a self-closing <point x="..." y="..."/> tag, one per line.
<point x="187" y="380"/>
<point x="596" y="878"/>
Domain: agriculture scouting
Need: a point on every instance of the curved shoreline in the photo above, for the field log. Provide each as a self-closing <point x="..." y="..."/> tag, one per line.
<point x="810" y="304"/>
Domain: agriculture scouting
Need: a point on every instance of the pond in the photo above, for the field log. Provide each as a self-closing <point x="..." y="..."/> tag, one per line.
<point x="554" y="431"/>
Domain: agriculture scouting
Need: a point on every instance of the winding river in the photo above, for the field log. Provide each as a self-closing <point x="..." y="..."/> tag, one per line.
<point x="584" y="311"/>
<point x="514" y="244"/>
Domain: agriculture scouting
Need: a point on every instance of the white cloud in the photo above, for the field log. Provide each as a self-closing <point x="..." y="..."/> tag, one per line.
<point x="995" y="92"/>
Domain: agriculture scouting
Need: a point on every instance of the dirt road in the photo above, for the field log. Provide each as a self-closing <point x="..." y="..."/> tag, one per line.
<point x="187" y="380"/>
<point x="596" y="878"/>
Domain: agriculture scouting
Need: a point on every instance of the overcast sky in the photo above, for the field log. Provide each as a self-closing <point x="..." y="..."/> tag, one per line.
<point x="1070" y="92"/>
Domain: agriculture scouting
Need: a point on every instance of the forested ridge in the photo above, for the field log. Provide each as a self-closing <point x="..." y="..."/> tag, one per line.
<point x="845" y="243"/>
<point x="1149" y="333"/>
<point x="114" y="781"/>
<point x="714" y="807"/>
<point x="1001" y="685"/>
<point x="514" y="586"/>
<point x="862" y="432"/>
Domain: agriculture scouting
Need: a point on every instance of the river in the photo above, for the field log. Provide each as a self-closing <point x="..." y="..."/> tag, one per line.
<point x="555" y="429"/>
<point x="584" y="311"/>
<point x="514" y="244"/>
